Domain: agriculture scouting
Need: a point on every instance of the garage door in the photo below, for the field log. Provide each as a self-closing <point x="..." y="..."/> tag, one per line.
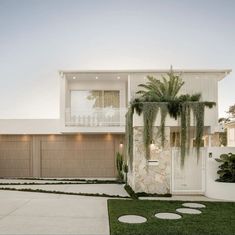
<point x="89" y="157"/>
<point x="15" y="158"/>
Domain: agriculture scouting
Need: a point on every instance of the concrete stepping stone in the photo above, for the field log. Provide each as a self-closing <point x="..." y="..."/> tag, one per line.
<point x="132" y="219"/>
<point x="193" y="205"/>
<point x="170" y="216"/>
<point x="188" y="211"/>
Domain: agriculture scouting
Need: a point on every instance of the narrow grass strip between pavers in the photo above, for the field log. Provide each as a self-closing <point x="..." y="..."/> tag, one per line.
<point x="56" y="183"/>
<point x="95" y="181"/>
<point x="61" y="192"/>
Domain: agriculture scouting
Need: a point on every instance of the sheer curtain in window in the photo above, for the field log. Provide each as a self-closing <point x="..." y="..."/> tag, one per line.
<point x="111" y="99"/>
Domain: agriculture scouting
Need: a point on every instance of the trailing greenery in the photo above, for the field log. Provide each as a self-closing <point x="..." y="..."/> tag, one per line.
<point x="188" y="130"/>
<point x="162" y="95"/>
<point x="183" y="130"/>
<point x="198" y="111"/>
<point x="150" y="111"/>
<point x="164" y="111"/>
<point x="61" y="192"/>
<point x="131" y="192"/>
<point x="129" y="135"/>
<point x="226" y="170"/>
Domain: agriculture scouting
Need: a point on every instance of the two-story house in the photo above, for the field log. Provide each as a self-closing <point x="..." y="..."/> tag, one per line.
<point x="91" y="128"/>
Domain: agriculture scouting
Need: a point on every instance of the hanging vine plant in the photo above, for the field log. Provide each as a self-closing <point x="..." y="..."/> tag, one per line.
<point x="162" y="95"/>
<point x="129" y="135"/>
<point x="150" y="111"/>
<point x="164" y="111"/>
<point x="183" y="119"/>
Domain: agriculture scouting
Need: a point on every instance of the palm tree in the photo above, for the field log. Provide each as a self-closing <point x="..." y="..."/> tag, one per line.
<point x="163" y="91"/>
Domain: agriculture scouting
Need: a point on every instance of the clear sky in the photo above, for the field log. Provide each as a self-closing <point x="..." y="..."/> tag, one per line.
<point x="40" y="37"/>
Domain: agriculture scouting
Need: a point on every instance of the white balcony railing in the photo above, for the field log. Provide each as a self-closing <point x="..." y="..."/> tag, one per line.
<point x="95" y="117"/>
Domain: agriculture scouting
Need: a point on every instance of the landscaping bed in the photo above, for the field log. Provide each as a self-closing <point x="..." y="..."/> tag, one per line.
<point x="218" y="218"/>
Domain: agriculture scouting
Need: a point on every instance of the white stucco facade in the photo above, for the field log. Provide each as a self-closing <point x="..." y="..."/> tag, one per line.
<point x="126" y="82"/>
<point x="85" y="145"/>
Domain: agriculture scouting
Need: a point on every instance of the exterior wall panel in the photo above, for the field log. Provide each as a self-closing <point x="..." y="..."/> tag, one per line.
<point x="15" y="156"/>
<point x="59" y="155"/>
<point x="91" y="156"/>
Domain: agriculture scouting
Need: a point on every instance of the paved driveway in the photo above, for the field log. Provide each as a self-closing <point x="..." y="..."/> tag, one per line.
<point x="41" y="213"/>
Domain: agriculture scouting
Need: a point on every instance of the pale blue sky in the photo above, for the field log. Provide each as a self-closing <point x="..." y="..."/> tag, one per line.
<point x="37" y="38"/>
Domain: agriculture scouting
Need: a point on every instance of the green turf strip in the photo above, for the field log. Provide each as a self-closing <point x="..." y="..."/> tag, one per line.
<point x="218" y="218"/>
<point x="61" y="192"/>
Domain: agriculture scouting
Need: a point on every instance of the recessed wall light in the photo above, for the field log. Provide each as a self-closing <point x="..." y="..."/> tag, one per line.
<point x="118" y="77"/>
<point x="151" y="144"/>
<point x="96" y="78"/>
<point x="74" y="78"/>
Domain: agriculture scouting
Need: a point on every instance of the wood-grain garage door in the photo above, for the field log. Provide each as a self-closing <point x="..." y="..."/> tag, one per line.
<point x="14" y="158"/>
<point x="89" y="157"/>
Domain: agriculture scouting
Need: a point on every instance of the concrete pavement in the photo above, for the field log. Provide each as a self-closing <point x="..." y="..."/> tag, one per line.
<point x="41" y="213"/>
<point x="46" y="214"/>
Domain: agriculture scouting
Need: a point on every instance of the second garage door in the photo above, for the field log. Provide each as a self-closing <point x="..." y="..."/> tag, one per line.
<point x="91" y="156"/>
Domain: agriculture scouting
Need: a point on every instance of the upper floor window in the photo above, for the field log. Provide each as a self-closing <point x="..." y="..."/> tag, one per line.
<point x="85" y="101"/>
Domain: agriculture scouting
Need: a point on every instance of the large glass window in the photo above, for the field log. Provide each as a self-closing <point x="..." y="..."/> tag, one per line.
<point x="84" y="102"/>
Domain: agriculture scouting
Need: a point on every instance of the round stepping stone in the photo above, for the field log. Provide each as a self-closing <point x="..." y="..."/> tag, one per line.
<point x="188" y="211"/>
<point x="132" y="219"/>
<point x="194" y="205"/>
<point x="168" y="216"/>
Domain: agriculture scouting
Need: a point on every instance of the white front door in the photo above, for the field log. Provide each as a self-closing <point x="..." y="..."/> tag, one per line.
<point x="189" y="179"/>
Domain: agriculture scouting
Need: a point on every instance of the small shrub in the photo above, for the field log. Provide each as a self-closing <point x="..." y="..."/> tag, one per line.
<point x="119" y="165"/>
<point x="125" y="170"/>
<point x="226" y="170"/>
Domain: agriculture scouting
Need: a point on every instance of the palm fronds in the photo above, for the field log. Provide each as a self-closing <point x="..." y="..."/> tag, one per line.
<point x="161" y="90"/>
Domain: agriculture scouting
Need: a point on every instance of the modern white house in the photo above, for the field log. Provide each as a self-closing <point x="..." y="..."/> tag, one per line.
<point x="91" y="130"/>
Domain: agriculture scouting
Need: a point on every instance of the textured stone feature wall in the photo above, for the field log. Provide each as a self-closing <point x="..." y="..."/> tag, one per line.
<point x="146" y="176"/>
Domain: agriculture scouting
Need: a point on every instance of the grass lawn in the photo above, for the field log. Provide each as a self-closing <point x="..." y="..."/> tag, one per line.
<point x="218" y="218"/>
